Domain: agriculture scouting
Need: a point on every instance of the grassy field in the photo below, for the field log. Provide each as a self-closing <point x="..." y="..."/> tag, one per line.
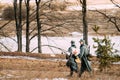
<point x="42" y="69"/>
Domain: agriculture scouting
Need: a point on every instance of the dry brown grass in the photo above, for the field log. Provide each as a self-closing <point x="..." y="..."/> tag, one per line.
<point x="75" y="24"/>
<point x="35" y="55"/>
<point x="24" y="69"/>
<point x="58" y="6"/>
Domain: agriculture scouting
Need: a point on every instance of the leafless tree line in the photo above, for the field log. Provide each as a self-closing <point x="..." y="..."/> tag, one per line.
<point x="49" y="21"/>
<point x="38" y="27"/>
<point x="40" y="23"/>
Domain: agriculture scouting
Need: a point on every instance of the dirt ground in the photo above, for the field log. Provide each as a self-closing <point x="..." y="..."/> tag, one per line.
<point x="44" y="69"/>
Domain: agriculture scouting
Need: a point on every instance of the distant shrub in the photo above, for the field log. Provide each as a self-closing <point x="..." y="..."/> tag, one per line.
<point x="58" y="6"/>
<point x="8" y="13"/>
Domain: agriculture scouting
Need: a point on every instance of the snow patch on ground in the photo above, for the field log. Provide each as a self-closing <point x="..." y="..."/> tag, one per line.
<point x="92" y="7"/>
<point x="60" y="42"/>
<point x="32" y="58"/>
<point x="75" y="34"/>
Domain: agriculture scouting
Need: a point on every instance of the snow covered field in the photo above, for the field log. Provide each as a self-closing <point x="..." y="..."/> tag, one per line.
<point x="61" y="42"/>
<point x="92" y="7"/>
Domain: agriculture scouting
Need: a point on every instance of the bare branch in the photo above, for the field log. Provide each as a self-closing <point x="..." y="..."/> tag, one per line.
<point x="56" y="48"/>
<point x="32" y="31"/>
<point x="58" y="25"/>
<point x="34" y="49"/>
<point x="37" y="1"/>
<point x="111" y="19"/>
<point x="5" y="47"/>
<point x="50" y="46"/>
<point x="115" y="3"/>
<point x="81" y="1"/>
<point x="5" y="24"/>
<point x="33" y="36"/>
<point x="3" y="34"/>
<point x="51" y="28"/>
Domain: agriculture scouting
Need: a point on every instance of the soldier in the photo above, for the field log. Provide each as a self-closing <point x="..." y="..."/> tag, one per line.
<point x="71" y="63"/>
<point x="85" y="65"/>
<point x="72" y="47"/>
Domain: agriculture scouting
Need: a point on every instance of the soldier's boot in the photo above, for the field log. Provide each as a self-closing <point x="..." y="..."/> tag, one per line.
<point x="76" y="70"/>
<point x="80" y="73"/>
<point x="71" y="73"/>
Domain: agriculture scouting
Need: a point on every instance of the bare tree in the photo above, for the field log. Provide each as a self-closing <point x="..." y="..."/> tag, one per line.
<point x="20" y="26"/>
<point x="50" y="21"/>
<point x="18" y="20"/>
<point x="38" y="25"/>
<point x="27" y="2"/>
<point x="85" y="25"/>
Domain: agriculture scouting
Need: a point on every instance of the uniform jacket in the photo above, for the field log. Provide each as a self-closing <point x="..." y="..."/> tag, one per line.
<point x="84" y="60"/>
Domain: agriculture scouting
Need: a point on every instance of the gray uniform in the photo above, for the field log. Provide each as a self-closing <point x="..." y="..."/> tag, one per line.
<point x="71" y="63"/>
<point x="85" y="65"/>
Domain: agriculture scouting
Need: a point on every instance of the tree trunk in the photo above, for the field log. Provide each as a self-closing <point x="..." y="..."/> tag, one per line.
<point x="20" y="27"/>
<point x="85" y="26"/>
<point x="38" y="25"/>
<point x="18" y="21"/>
<point x="27" y="26"/>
